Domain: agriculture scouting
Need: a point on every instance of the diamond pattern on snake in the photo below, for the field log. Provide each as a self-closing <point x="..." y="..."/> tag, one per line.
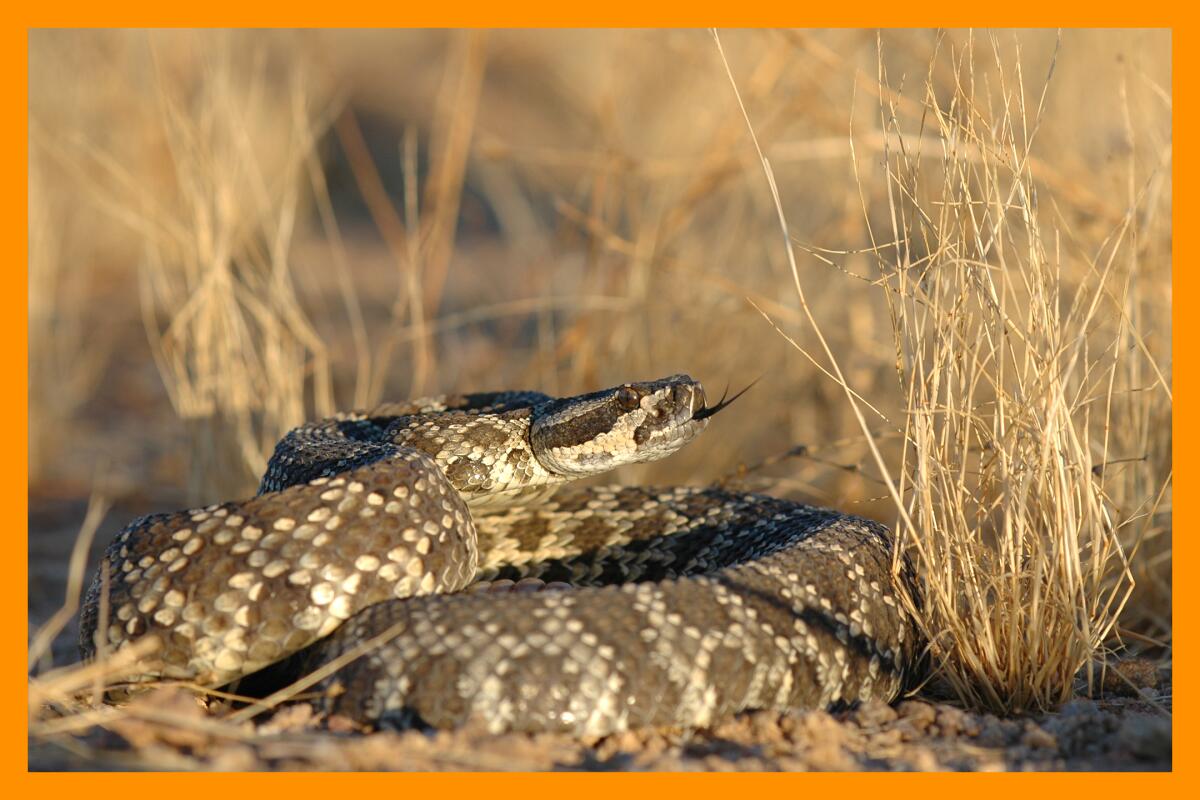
<point x="382" y="538"/>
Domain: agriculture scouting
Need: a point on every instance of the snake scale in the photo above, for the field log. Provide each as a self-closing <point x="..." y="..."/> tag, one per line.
<point x="380" y="544"/>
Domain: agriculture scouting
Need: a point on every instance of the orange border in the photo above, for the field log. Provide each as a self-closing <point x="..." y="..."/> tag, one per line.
<point x="14" y="344"/>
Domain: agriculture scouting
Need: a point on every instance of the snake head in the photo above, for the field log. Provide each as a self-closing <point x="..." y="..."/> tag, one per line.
<point x="626" y="424"/>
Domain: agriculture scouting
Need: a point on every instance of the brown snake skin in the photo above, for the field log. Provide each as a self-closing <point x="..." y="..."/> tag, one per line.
<point x="686" y="604"/>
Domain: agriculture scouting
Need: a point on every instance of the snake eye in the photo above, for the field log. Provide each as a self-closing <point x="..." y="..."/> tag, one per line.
<point x="628" y="397"/>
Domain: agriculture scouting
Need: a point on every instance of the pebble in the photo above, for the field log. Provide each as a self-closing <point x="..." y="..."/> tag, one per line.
<point x="952" y="721"/>
<point x="873" y="714"/>
<point x="1129" y="676"/>
<point x="923" y="759"/>
<point x="1147" y="736"/>
<point x="920" y="714"/>
<point x="1080" y="706"/>
<point x="1037" y="737"/>
<point x="996" y="732"/>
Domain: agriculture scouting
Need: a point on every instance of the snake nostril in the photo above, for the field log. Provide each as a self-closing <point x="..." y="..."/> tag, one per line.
<point x="698" y="398"/>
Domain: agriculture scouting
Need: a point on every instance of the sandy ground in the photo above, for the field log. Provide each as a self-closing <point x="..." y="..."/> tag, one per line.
<point x="1116" y="734"/>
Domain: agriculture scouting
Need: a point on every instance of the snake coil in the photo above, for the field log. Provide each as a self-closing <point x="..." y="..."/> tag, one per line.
<point x="373" y="532"/>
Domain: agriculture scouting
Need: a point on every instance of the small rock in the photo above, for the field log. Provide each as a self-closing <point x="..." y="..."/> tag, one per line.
<point x="1147" y="736"/>
<point x="954" y="721"/>
<point x="1079" y="707"/>
<point x="990" y="735"/>
<point x="829" y="756"/>
<point x="996" y="732"/>
<point x="819" y="723"/>
<point x="887" y="739"/>
<point x="908" y="731"/>
<point x="1037" y="737"/>
<point x="290" y="718"/>
<point x="873" y="714"/>
<point x="529" y="585"/>
<point x="920" y="714"/>
<point x="342" y="724"/>
<point x="922" y="759"/>
<point x="653" y="745"/>
<point x="1128" y="676"/>
<point x="627" y="741"/>
<point x="765" y="729"/>
<point x="235" y="758"/>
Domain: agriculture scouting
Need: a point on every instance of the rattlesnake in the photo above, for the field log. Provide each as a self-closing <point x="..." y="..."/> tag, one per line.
<point x="685" y="604"/>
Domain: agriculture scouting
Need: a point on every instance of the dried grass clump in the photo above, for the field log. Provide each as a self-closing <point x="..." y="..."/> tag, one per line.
<point x="1029" y="387"/>
<point x="209" y="195"/>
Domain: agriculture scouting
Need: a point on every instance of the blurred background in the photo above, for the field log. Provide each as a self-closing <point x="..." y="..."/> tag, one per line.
<point x="231" y="232"/>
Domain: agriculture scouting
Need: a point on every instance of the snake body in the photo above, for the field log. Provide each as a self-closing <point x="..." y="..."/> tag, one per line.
<point x="363" y="554"/>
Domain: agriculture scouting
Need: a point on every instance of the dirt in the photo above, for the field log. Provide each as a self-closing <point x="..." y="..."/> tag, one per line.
<point x="169" y="729"/>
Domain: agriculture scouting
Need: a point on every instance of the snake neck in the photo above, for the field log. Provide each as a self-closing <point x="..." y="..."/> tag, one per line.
<point x="488" y="458"/>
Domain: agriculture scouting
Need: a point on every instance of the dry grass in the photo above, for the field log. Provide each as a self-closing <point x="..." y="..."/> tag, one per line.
<point x="235" y="349"/>
<point x="1030" y="390"/>
<point x="986" y="257"/>
<point x="1016" y="362"/>
<point x="66" y="359"/>
<point x="1028" y="384"/>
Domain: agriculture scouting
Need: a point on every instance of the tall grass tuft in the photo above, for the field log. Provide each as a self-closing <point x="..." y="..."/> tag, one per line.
<point x="1027" y="388"/>
<point x="1027" y="385"/>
